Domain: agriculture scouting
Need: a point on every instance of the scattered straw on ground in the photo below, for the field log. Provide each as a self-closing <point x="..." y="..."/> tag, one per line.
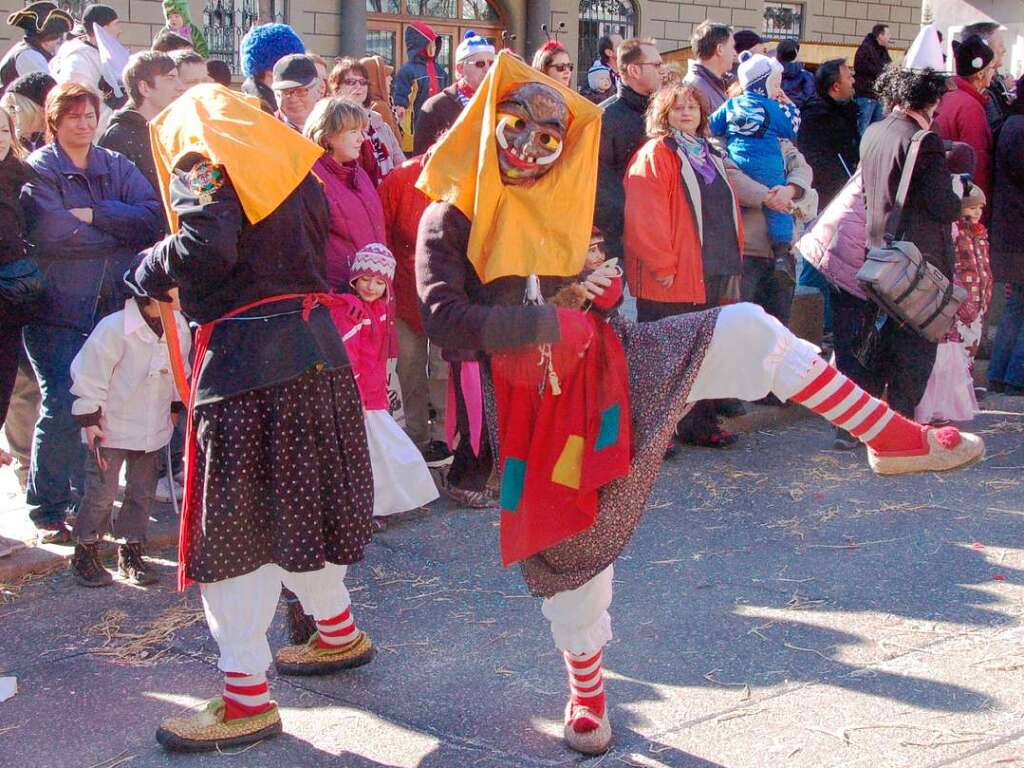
<point x="11" y="590"/>
<point x="145" y="647"/>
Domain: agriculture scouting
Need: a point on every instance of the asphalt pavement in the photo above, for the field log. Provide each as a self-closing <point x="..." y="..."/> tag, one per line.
<point x="779" y="606"/>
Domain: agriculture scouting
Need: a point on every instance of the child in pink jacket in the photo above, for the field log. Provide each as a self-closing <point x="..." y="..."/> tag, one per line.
<point x="401" y="480"/>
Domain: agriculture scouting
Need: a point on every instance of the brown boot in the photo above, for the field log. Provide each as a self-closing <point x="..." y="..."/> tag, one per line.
<point x="85" y="565"/>
<point x="132" y="567"/>
<point x="301" y="626"/>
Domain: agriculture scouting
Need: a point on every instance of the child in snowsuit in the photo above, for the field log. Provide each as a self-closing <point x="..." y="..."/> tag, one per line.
<point x="401" y="480"/>
<point x="950" y="393"/>
<point x="753" y="123"/>
<point x="125" y="396"/>
<point x="179" y="22"/>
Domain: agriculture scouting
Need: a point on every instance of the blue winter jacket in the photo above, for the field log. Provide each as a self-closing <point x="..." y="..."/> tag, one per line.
<point x="798" y="83"/>
<point x="84" y="264"/>
<point x="752" y="125"/>
<point x="415" y="71"/>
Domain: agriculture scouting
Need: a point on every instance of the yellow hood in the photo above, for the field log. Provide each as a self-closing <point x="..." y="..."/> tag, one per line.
<point x="540" y="228"/>
<point x="264" y="158"/>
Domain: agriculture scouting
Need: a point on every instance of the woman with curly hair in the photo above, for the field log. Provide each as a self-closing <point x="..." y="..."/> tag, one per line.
<point x="879" y="352"/>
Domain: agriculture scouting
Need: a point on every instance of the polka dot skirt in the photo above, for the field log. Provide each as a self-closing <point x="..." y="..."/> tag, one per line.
<point x="283" y="476"/>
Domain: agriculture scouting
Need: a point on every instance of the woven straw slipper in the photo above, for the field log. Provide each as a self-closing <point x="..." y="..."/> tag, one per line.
<point x="938" y="458"/>
<point x="207" y="730"/>
<point x="593" y="742"/>
<point x="308" y="659"/>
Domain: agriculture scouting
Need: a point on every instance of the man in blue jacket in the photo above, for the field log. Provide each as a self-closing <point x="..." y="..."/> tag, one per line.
<point x="88" y="211"/>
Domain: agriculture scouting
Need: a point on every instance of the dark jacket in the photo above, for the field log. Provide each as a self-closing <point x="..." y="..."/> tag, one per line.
<point x="84" y="263"/>
<point x="868" y="63"/>
<point x="439" y="113"/>
<point x="128" y="133"/>
<point x="997" y="108"/>
<point x="462" y="315"/>
<point x="622" y="134"/>
<point x="1007" y="205"/>
<point x="707" y="82"/>
<point x="828" y="138"/>
<point x="222" y="262"/>
<point x="798" y="83"/>
<point x="414" y="71"/>
<point x="931" y="206"/>
<point x="13" y="174"/>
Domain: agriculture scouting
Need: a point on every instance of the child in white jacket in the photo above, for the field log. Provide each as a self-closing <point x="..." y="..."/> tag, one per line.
<point x="125" y="395"/>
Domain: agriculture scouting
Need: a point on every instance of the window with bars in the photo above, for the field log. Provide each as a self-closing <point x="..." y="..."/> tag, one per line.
<point x="473" y="10"/>
<point x="225" y="23"/>
<point x="381" y="42"/>
<point x="597" y="19"/>
<point x="783" y="21"/>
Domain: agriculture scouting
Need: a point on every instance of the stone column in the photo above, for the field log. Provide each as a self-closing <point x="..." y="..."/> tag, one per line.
<point x="538" y="12"/>
<point x="353" y="28"/>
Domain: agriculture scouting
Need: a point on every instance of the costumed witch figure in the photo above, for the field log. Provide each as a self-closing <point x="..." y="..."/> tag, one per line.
<point x="279" y="489"/>
<point x="582" y="403"/>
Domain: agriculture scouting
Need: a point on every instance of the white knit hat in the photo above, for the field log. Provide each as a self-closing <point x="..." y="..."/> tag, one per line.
<point x="755" y="69"/>
<point x="472" y="44"/>
<point x="373" y="260"/>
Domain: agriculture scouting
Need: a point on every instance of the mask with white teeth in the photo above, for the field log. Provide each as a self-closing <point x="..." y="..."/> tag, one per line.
<point x="530" y="127"/>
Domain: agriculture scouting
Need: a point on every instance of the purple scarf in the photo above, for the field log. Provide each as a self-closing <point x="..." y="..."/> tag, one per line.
<point x="696" y="150"/>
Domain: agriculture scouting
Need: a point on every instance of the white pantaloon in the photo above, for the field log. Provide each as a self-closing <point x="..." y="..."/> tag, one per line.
<point x="239" y="610"/>
<point x="751" y="355"/>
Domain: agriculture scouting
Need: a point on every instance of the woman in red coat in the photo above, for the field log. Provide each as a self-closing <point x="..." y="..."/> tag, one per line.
<point x="682" y="253"/>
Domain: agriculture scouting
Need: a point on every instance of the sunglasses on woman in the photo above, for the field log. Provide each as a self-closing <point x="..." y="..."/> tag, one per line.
<point x="354" y="81"/>
<point x="562" y="67"/>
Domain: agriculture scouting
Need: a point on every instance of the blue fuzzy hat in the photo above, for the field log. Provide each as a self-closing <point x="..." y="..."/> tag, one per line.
<point x="264" y="45"/>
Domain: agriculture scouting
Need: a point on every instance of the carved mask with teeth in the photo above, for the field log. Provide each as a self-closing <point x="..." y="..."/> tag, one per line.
<point x="531" y="124"/>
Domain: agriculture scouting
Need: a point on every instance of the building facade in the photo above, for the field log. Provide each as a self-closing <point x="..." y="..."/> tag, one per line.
<point x="340" y="27"/>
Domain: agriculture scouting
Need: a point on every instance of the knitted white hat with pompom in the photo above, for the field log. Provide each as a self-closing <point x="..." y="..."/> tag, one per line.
<point x="755" y="69"/>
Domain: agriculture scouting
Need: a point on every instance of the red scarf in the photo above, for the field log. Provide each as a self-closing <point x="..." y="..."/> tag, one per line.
<point x="558" y="450"/>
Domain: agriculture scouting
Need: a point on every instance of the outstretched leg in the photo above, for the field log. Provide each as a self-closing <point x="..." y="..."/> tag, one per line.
<point x="752" y="354"/>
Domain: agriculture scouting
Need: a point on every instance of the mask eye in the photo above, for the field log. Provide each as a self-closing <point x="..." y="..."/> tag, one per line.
<point x="514" y="122"/>
<point x="548" y="141"/>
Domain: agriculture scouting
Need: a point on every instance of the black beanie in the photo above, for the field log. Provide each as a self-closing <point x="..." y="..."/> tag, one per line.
<point x="97" y="14"/>
<point x="745" y="39"/>
<point x="972" y="56"/>
<point x="33" y="86"/>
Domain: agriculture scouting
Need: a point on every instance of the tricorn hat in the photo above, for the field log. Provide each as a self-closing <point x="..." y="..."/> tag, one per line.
<point x="42" y="19"/>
